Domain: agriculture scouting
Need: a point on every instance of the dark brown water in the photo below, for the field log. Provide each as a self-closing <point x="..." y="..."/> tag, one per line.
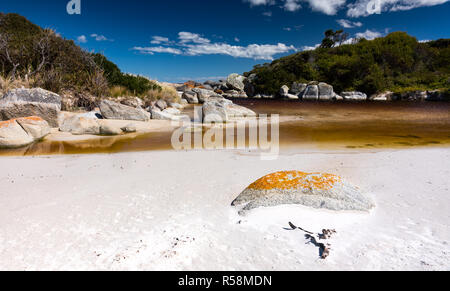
<point x="311" y="125"/>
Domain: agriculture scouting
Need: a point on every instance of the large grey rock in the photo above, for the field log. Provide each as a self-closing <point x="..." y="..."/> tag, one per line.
<point x="107" y="127"/>
<point x="385" y="96"/>
<point x="284" y="91"/>
<point x="236" y="82"/>
<point x="34" y="126"/>
<point x="161" y="104"/>
<point x="220" y="110"/>
<point x="354" y="96"/>
<point x="326" y="92"/>
<point x="135" y="102"/>
<point x="249" y="89"/>
<point x="311" y="93"/>
<point x="298" y="88"/>
<point x="190" y="97"/>
<point x="31" y="102"/>
<point x="21" y="132"/>
<point x="215" y="111"/>
<point x="78" y="125"/>
<point x="203" y="94"/>
<point x="161" y="115"/>
<point x="237" y="111"/>
<point x="113" y="110"/>
<point x="322" y="191"/>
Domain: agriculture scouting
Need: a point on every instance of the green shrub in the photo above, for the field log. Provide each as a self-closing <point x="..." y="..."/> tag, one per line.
<point x="395" y="61"/>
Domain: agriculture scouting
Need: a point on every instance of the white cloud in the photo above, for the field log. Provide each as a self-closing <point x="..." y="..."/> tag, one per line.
<point x="369" y="34"/>
<point x="310" y="48"/>
<point x="100" y="37"/>
<point x="159" y="40"/>
<point x="158" y="49"/>
<point x="329" y="7"/>
<point x="82" y="39"/>
<point x="237" y="39"/>
<point x="368" y="7"/>
<point x="189" y="37"/>
<point x="253" y="51"/>
<point x="260" y="2"/>
<point x="267" y="13"/>
<point x="348" y="24"/>
<point x="193" y="44"/>
<point x="292" y="5"/>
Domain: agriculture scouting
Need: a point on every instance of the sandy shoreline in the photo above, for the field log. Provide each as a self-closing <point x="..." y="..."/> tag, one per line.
<point x="167" y="210"/>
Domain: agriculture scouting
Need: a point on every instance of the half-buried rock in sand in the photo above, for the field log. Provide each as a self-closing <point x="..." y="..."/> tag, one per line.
<point x="322" y="191"/>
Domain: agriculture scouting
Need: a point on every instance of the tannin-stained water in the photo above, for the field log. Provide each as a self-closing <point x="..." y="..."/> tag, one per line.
<point x="305" y="125"/>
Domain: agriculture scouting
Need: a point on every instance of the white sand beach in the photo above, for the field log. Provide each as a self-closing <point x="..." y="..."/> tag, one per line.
<point x="171" y="211"/>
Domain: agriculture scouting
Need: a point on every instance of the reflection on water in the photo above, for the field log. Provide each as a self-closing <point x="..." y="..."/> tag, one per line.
<point x="316" y="125"/>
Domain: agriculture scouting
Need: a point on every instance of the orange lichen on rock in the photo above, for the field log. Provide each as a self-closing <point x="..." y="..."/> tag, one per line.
<point x="32" y="118"/>
<point x="4" y="124"/>
<point x="294" y="180"/>
<point x="7" y="123"/>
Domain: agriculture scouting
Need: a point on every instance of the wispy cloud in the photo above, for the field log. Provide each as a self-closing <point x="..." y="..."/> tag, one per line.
<point x="193" y="44"/>
<point x="355" y="8"/>
<point x="159" y="40"/>
<point x="158" y="49"/>
<point x="369" y="34"/>
<point x="99" y="37"/>
<point x="368" y="7"/>
<point x="348" y="24"/>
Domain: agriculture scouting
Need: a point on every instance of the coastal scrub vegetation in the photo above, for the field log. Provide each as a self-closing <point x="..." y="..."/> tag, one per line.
<point x="37" y="57"/>
<point x="396" y="62"/>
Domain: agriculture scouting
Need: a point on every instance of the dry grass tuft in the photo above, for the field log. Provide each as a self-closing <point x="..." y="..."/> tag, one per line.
<point x="7" y="83"/>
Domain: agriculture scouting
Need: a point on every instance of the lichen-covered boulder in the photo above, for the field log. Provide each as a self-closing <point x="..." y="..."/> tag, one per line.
<point x="113" y="110"/>
<point x="236" y="82"/>
<point x="21" y="132"/>
<point x="315" y="190"/>
<point x="190" y="97"/>
<point x="326" y="92"/>
<point x="31" y="102"/>
<point x="311" y="93"/>
<point x="298" y="88"/>
<point x="79" y="125"/>
<point x="354" y="96"/>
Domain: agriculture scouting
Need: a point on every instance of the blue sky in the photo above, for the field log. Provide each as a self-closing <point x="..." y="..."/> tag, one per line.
<point x="207" y="39"/>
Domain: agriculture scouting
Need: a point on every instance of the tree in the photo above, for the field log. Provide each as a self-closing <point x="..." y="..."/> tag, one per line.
<point x="334" y="38"/>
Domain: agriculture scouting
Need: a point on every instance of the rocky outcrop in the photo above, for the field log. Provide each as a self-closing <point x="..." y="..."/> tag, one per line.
<point x="311" y="93"/>
<point x="165" y="115"/>
<point x="326" y="92"/>
<point x="108" y="128"/>
<point x="161" y="104"/>
<point x="298" y="89"/>
<point x="31" y="102"/>
<point x="79" y="125"/>
<point x="113" y="110"/>
<point x="354" y="96"/>
<point x="204" y="94"/>
<point x="236" y="82"/>
<point x="221" y="110"/>
<point x="284" y="91"/>
<point x="190" y="97"/>
<point x="21" y="132"/>
<point x="312" y="190"/>
<point x="135" y="102"/>
<point x="215" y="111"/>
